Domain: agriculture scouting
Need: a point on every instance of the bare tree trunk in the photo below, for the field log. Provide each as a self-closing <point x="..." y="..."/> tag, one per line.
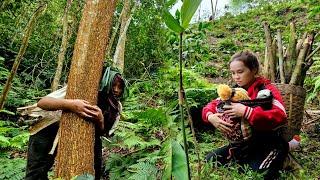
<point x="297" y="75"/>
<point x="215" y="10"/>
<point x="24" y="45"/>
<point x="212" y="11"/>
<point x="280" y="54"/>
<point x="76" y="145"/>
<point x="63" y="47"/>
<point x="114" y="33"/>
<point x="118" y="57"/>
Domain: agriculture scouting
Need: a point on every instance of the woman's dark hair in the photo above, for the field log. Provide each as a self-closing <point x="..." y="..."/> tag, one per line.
<point x="248" y="59"/>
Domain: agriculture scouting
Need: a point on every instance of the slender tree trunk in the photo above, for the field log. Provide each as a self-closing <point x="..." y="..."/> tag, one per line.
<point x="76" y="145"/>
<point x="114" y="33"/>
<point x="212" y="11"/>
<point x="63" y="47"/>
<point x="215" y="10"/>
<point x="121" y="46"/>
<point x="118" y="57"/>
<point x="24" y="45"/>
<point x="280" y="54"/>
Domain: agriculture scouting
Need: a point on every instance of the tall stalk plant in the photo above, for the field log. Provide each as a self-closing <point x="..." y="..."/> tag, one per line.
<point x="179" y="25"/>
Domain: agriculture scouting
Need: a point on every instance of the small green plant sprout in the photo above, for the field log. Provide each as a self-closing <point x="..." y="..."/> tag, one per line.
<point x="179" y="25"/>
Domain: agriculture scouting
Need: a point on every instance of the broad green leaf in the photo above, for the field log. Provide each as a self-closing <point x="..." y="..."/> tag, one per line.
<point x="171" y="22"/>
<point x="189" y="7"/>
<point x="167" y="148"/>
<point x="179" y="161"/>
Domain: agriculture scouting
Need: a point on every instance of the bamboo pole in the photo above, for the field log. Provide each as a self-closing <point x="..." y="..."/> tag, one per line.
<point x="296" y="75"/>
<point x="291" y="56"/>
<point x="280" y="54"/>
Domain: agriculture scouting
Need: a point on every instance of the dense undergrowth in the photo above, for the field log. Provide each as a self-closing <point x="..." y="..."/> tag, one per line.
<point x="144" y="141"/>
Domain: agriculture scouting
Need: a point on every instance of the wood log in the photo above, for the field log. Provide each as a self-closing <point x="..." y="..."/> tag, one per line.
<point x="273" y="64"/>
<point x="300" y="43"/>
<point x="280" y="54"/>
<point x="296" y="75"/>
<point x="269" y="61"/>
<point x="307" y="62"/>
<point x="291" y="56"/>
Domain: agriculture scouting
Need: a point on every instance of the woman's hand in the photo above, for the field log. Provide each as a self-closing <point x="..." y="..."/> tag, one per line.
<point x="86" y="110"/>
<point x="234" y="110"/>
<point x="216" y="121"/>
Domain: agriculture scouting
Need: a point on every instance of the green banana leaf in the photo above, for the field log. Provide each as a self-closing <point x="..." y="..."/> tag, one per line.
<point x="171" y="22"/>
<point x="189" y="7"/>
<point x="176" y="162"/>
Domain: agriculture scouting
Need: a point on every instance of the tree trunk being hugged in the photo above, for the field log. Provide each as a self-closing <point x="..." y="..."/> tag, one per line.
<point x="76" y="145"/>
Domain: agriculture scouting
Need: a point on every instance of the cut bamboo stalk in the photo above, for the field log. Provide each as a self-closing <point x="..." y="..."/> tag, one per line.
<point x="270" y="57"/>
<point x="291" y="56"/>
<point x="273" y="64"/>
<point x="296" y="75"/>
<point x="280" y="54"/>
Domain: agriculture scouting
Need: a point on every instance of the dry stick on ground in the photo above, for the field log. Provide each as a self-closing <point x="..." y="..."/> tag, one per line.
<point x="280" y="54"/>
<point x="296" y="75"/>
<point x="63" y="47"/>
<point x="269" y="62"/>
<point x="24" y="45"/>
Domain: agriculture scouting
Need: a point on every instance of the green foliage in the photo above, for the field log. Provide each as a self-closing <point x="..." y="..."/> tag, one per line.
<point x="153" y="117"/>
<point x="200" y="97"/>
<point x="227" y="44"/>
<point x="176" y="162"/>
<point x="12" y="169"/>
<point x="84" y="177"/>
<point x="12" y="137"/>
<point x="145" y="45"/>
<point x="144" y="171"/>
